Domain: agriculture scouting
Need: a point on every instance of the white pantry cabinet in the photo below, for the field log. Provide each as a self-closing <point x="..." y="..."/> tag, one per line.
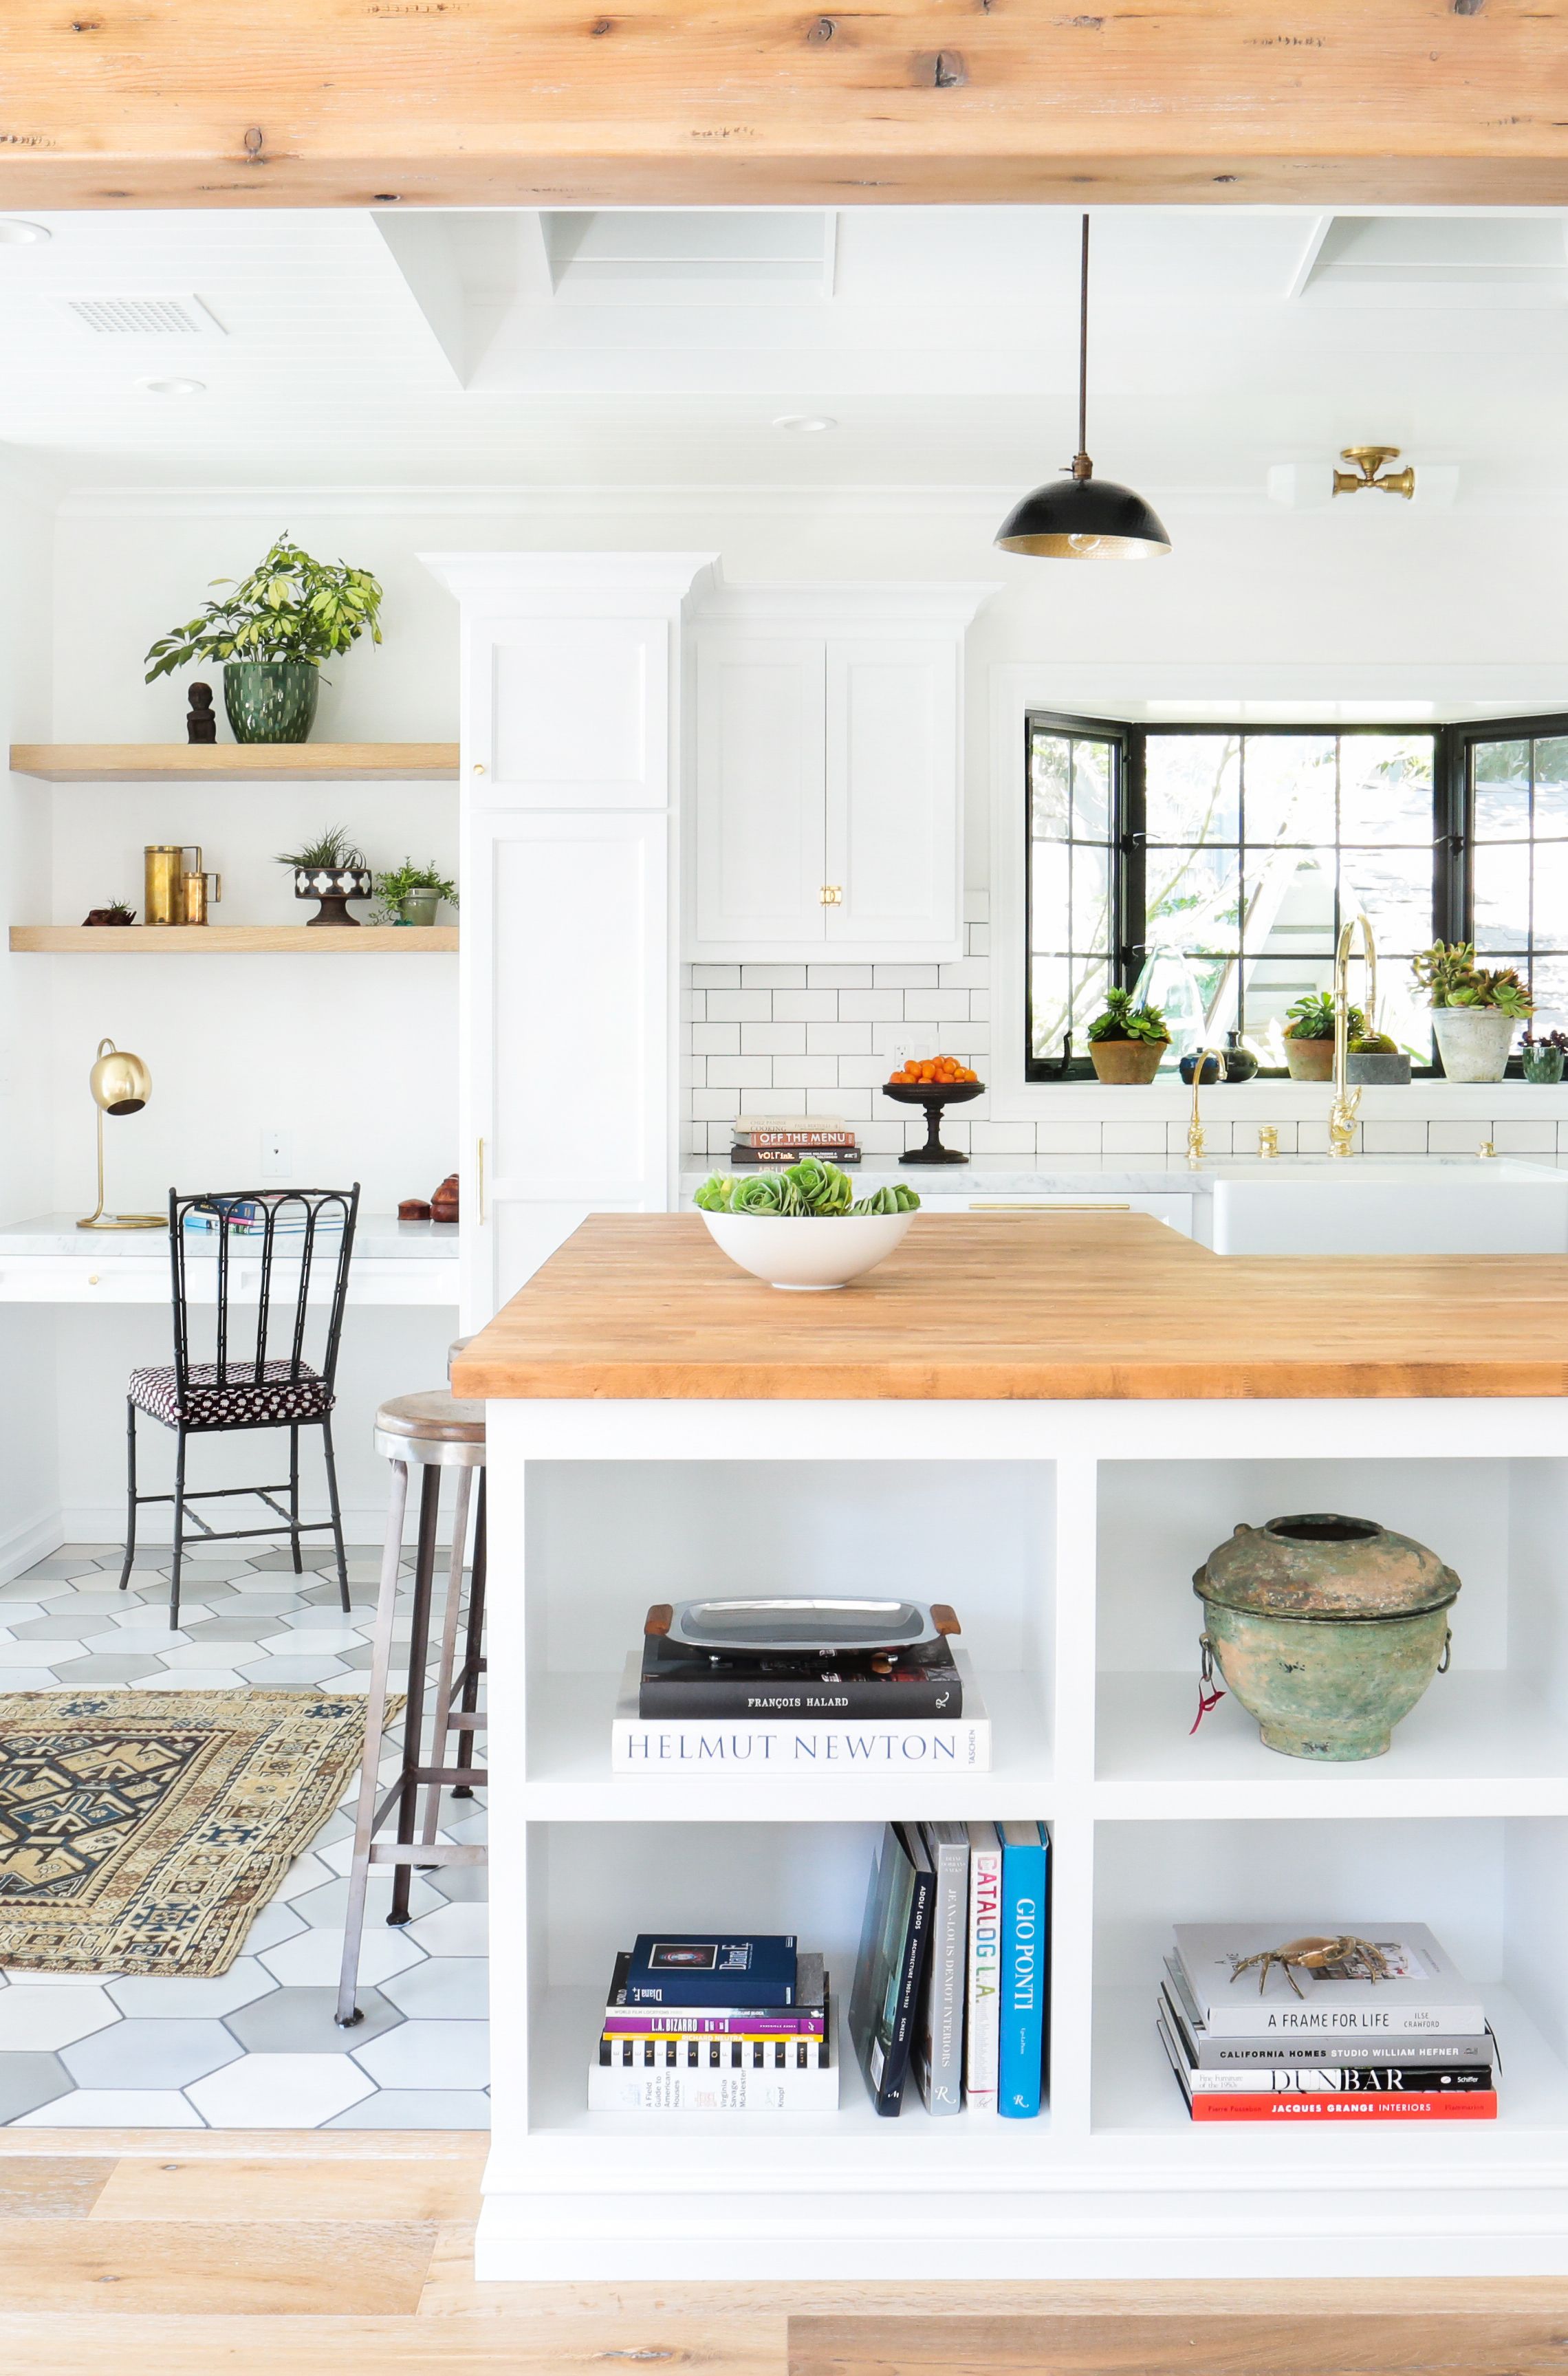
<point x="826" y="802"/>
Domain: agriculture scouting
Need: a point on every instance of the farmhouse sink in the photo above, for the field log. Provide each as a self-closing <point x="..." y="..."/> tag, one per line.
<point x="1317" y="1205"/>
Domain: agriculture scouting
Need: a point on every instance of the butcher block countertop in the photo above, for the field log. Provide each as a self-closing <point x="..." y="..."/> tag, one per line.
<point x="1062" y="1307"/>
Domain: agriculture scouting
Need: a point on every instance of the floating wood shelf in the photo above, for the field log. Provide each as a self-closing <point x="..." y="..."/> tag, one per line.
<point x="253" y="940"/>
<point x="236" y="763"/>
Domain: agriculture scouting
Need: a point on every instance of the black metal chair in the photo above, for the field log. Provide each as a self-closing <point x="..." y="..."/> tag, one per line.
<point x="250" y="1388"/>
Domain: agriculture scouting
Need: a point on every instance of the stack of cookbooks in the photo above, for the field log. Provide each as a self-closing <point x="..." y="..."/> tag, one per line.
<point x="784" y="1139"/>
<point x="953" y="1970"/>
<point x="798" y="1686"/>
<point x="698" y="2024"/>
<point x="1369" y="2022"/>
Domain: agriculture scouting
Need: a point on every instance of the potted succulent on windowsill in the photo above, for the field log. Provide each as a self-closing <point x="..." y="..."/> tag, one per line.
<point x="1309" y="1035"/>
<point x="1474" y="1009"/>
<point x="410" y="894"/>
<point x="272" y="634"/>
<point x="330" y="869"/>
<point x="1374" y="1060"/>
<point x="1126" y="1043"/>
<point x="1542" y="1058"/>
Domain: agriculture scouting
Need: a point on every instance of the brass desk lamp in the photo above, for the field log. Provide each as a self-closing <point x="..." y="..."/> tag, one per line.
<point x="121" y="1084"/>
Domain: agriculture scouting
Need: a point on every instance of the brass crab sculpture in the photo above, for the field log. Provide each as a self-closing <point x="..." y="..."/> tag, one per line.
<point x="1345" y="1959"/>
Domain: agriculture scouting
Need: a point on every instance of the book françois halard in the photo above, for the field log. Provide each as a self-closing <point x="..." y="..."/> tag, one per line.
<point x="792" y="1745"/>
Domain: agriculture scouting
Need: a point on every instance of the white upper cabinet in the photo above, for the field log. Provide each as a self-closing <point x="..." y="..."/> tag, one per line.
<point x="826" y="799"/>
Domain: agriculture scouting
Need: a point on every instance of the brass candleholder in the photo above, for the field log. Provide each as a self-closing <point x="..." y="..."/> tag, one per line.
<point x="121" y="1084"/>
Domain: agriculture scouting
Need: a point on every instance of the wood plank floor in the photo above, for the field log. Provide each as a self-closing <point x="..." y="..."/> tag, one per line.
<point x="300" y="2254"/>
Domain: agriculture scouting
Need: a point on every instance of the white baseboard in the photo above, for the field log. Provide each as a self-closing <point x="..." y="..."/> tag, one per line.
<point x="20" y="1546"/>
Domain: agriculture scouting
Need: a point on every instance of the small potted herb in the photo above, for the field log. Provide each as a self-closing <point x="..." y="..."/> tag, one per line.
<point x="410" y="894"/>
<point x="1126" y="1043"/>
<point x="1542" y="1058"/>
<point x="1474" y="1009"/>
<point x="331" y="869"/>
<point x="1309" y="1035"/>
<point x="1377" y="1062"/>
<point x="272" y="634"/>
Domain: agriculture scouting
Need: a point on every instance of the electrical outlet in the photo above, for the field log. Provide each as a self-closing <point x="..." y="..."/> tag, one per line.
<point x="277" y="1154"/>
<point x="901" y="1041"/>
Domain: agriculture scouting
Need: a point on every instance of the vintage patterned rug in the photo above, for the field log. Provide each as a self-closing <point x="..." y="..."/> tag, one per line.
<point x="142" y="1832"/>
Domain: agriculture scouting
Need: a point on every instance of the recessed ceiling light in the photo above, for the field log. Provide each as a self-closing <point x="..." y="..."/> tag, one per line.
<point x="22" y="234"/>
<point x="806" y="424"/>
<point x="173" y="387"/>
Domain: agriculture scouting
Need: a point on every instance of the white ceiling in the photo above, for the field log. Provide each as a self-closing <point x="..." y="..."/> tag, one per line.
<point x="657" y="348"/>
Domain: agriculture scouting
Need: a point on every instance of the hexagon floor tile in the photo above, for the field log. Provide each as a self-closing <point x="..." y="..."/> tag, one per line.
<point x="417" y="2108"/>
<point x="156" y="2053"/>
<point x="280" y="2091"/>
<point x="118" y="2107"/>
<point x="434" y="2053"/>
<point x="301" y="2020"/>
<point x="192" y="1999"/>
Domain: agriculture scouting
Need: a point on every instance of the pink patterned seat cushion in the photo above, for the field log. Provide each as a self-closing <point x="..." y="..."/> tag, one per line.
<point x="276" y="1399"/>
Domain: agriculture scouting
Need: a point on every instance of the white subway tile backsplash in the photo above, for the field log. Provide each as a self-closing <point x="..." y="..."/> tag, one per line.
<point x="977" y="940"/>
<point x="693" y="1005"/>
<point x="806" y="1072"/>
<point x="906" y="977"/>
<point x="1311" y="1137"/>
<point x="772" y="1039"/>
<point x="1525" y="1137"/>
<point x="870" y="1006"/>
<point x="862" y="1071"/>
<point x="773" y="976"/>
<point x="716" y="1038"/>
<point x="716" y="977"/>
<point x="979" y="1006"/>
<point x="839" y="1039"/>
<point x="936" y="1006"/>
<point x="806" y="1006"/>
<point x="739" y="1006"/>
<point x="1133" y="1137"/>
<point x="965" y="973"/>
<point x="999" y="1137"/>
<point x="739" y="1072"/>
<point x="850" y="1105"/>
<point x="1067" y="1137"/>
<point x="1393" y="1138"/>
<point x="1456" y="1137"/>
<point x="977" y="907"/>
<point x="839" y="976"/>
<point x="715" y="1105"/>
<point x="881" y="1137"/>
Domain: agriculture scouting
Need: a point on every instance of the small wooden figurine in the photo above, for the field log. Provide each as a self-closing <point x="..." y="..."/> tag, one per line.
<point x="200" y="724"/>
<point x="443" y="1202"/>
<point x="413" y="1208"/>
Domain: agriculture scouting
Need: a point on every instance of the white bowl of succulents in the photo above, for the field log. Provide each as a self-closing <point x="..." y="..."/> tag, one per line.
<point x="803" y="1227"/>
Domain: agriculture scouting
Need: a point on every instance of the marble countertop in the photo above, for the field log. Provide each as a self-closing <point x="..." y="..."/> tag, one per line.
<point x="1115" y="1175"/>
<point x="380" y="1235"/>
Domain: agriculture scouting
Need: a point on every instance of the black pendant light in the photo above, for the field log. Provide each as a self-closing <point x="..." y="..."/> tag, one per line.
<point x="1081" y="518"/>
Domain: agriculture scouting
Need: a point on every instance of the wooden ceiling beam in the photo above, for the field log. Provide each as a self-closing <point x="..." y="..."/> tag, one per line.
<point x="562" y="103"/>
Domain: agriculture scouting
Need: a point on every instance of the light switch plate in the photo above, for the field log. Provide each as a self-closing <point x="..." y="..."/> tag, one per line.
<point x="277" y="1154"/>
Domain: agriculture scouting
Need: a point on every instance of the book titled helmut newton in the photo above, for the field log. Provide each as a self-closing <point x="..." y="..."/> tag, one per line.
<point x="783" y="1743"/>
<point x="1423" y="1993"/>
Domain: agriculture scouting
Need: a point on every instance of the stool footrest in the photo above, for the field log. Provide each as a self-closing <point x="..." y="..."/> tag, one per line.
<point x="419" y="1852"/>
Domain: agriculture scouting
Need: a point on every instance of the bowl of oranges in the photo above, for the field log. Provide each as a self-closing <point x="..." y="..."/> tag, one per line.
<point x="933" y="1082"/>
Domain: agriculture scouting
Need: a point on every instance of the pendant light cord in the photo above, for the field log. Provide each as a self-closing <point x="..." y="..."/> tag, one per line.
<point x="1082" y="467"/>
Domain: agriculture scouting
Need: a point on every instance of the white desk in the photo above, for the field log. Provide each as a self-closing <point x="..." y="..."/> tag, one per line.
<point x="49" y="1260"/>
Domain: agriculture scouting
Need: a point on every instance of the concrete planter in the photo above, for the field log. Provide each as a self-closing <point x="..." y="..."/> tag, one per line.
<point x="1378" y="1069"/>
<point x="1473" y="1042"/>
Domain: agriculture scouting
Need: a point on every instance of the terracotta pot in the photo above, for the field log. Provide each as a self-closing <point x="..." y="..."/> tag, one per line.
<point x="1309" y="1060"/>
<point x="1125" y="1063"/>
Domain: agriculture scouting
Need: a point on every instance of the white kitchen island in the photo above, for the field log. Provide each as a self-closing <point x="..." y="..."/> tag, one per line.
<point x="1048" y="1420"/>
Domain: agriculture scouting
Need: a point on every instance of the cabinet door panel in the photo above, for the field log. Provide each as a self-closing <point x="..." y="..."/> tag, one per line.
<point x="570" y="714"/>
<point x="759" y="792"/>
<point x="893" y="792"/>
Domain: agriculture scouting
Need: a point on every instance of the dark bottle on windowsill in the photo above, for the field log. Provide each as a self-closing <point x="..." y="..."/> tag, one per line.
<point x="1241" y="1065"/>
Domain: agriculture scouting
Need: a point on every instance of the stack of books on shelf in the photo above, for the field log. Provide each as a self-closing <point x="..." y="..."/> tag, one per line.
<point x="951" y="1980"/>
<point x="699" y="2023"/>
<point x="766" y="1139"/>
<point x="794" y="1686"/>
<point x="1375" y="2022"/>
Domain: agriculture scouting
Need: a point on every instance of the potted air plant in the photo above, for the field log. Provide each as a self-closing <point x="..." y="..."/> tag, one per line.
<point x="272" y="632"/>
<point x="331" y="869"/>
<point x="1126" y="1043"/>
<point x="1542" y="1058"/>
<point x="1474" y="1009"/>
<point x="1309" y="1035"/>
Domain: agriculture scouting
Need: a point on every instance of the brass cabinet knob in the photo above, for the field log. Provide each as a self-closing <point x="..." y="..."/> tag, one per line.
<point x="93" y="1278"/>
<point x="832" y="895"/>
<point x="478" y="767"/>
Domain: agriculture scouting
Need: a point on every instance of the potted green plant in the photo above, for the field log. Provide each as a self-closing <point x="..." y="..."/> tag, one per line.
<point x="1474" y="1009"/>
<point x="1309" y="1035"/>
<point x="1126" y="1043"/>
<point x="1543" y="1058"/>
<point x="410" y="894"/>
<point x="272" y="634"/>
<point x="331" y="869"/>
<point x="1375" y="1060"/>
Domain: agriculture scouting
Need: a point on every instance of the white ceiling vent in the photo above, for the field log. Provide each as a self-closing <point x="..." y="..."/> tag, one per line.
<point x="146" y="316"/>
<point x="754" y="255"/>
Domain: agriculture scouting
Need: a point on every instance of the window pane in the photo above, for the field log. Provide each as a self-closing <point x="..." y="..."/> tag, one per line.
<point x="1192" y="899"/>
<point x="1091" y="899"/>
<point x="1289" y="787"/>
<point x="1048" y="1004"/>
<point x="1550" y="904"/>
<point x="1091" y="791"/>
<point x="1386" y="788"/>
<point x="1090" y="980"/>
<point x="1500" y="773"/>
<point x="1393" y="889"/>
<point x="1502" y="878"/>
<point x="1272" y="986"/>
<point x="1192" y="787"/>
<point x="1051" y="773"/>
<point x="1552" y="785"/>
<point x="1048" y="896"/>
<point x="1290" y="901"/>
<point x="1550" y="987"/>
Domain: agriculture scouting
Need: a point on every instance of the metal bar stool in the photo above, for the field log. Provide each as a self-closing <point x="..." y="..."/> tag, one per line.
<point x="428" y="1431"/>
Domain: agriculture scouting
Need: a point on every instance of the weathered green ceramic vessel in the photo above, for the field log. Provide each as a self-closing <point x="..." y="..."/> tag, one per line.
<point x="1327" y="1629"/>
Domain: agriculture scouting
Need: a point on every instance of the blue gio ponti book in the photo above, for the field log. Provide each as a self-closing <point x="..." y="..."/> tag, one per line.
<point x="681" y="1968"/>
<point x="1024" y="1856"/>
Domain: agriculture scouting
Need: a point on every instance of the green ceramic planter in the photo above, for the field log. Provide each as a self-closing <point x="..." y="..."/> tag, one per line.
<point x="1327" y="1629"/>
<point x="271" y="701"/>
<point x="419" y="907"/>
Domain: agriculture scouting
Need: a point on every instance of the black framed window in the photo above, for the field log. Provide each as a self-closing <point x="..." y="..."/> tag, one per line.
<point x="1218" y="862"/>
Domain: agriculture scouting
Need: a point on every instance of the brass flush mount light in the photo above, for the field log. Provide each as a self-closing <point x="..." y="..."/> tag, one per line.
<point x="1368" y="461"/>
